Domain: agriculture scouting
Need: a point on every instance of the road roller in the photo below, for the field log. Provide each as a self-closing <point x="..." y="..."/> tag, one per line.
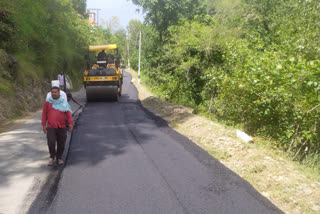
<point x="103" y="78"/>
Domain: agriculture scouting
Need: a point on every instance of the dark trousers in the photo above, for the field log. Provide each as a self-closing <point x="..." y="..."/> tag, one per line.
<point x="58" y="135"/>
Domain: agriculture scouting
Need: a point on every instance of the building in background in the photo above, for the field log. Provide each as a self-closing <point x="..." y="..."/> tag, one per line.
<point x="92" y="18"/>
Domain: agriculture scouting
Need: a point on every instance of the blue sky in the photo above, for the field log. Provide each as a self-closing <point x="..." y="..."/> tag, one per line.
<point x="123" y="9"/>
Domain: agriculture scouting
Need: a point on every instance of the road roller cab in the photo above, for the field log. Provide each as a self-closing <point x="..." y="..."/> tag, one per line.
<point x="103" y="78"/>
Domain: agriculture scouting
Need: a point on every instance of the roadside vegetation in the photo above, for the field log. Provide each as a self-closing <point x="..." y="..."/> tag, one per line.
<point x="252" y="64"/>
<point x="292" y="187"/>
<point x="38" y="40"/>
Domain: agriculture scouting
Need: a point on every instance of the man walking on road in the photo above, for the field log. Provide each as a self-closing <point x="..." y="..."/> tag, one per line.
<point x="61" y="80"/>
<point x="62" y="93"/>
<point x="56" y="110"/>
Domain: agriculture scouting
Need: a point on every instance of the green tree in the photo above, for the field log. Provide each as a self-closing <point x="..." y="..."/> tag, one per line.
<point x="7" y="25"/>
<point x="253" y="62"/>
<point x="48" y="34"/>
<point x="80" y="6"/>
<point x="121" y="41"/>
<point x="113" y="24"/>
<point x="163" y="13"/>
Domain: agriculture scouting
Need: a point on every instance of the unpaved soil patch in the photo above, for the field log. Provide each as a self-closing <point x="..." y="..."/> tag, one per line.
<point x="9" y="125"/>
<point x="294" y="189"/>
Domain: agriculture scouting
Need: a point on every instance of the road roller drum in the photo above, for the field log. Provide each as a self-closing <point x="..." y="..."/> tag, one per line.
<point x="103" y="79"/>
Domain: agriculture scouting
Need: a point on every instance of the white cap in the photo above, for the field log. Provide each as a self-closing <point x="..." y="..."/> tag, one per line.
<point x="54" y="83"/>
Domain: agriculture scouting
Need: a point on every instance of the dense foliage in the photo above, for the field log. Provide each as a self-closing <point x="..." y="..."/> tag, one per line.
<point x="250" y="62"/>
<point x="48" y="37"/>
<point x="6" y="24"/>
<point x="163" y="13"/>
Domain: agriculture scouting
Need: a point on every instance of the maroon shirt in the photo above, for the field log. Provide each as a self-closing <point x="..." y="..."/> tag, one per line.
<point x="54" y="118"/>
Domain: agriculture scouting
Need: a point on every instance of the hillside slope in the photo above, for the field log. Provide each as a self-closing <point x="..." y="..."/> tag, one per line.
<point x="18" y="99"/>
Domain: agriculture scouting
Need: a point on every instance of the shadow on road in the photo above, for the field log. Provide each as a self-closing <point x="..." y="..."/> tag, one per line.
<point x="106" y="131"/>
<point x="20" y="151"/>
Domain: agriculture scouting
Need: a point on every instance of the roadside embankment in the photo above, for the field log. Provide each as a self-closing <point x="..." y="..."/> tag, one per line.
<point x="20" y="93"/>
<point x="292" y="187"/>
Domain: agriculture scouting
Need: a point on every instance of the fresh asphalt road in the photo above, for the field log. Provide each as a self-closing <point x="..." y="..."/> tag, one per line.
<point x="123" y="159"/>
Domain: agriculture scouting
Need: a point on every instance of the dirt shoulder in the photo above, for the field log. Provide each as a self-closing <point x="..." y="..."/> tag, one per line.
<point x="291" y="187"/>
<point x="9" y="125"/>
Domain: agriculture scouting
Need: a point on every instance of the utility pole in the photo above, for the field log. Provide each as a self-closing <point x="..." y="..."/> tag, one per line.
<point x="139" y="57"/>
<point x="98" y="16"/>
<point x="128" y="45"/>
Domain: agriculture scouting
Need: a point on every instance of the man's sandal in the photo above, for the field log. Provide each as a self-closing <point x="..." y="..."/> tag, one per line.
<point x="59" y="162"/>
<point x="50" y="162"/>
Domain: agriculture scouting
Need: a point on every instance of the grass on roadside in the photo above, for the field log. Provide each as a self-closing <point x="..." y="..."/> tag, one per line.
<point x="292" y="186"/>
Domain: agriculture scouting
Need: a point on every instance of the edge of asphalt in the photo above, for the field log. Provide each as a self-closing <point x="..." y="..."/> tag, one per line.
<point x="32" y="205"/>
<point x="205" y="158"/>
<point x="50" y="181"/>
<point x="37" y="189"/>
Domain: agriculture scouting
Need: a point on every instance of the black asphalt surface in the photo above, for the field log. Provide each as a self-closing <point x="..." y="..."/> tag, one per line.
<point x="123" y="159"/>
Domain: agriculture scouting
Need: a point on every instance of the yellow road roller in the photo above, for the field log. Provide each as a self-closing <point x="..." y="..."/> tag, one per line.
<point x="103" y="78"/>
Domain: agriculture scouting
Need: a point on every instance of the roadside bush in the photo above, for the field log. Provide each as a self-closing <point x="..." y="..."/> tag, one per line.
<point x="276" y="95"/>
<point x="7" y="26"/>
<point x="255" y="63"/>
<point x="49" y="34"/>
<point x="183" y="60"/>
